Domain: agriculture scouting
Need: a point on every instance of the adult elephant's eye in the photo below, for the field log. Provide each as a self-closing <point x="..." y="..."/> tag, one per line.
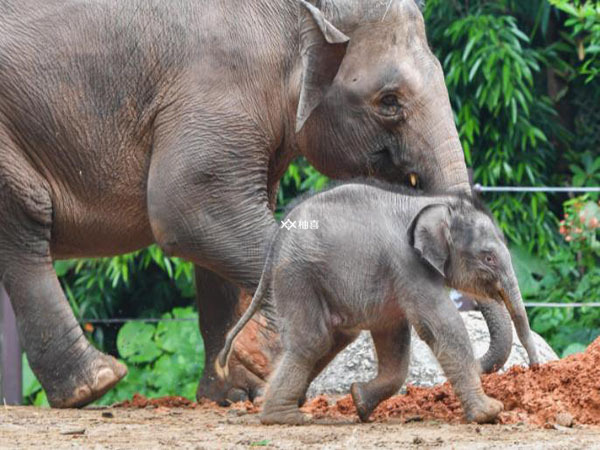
<point x="390" y="105"/>
<point x="389" y="100"/>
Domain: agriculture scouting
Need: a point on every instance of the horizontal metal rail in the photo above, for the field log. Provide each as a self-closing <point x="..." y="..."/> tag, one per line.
<point x="561" y="305"/>
<point x="139" y="319"/>
<point x="175" y="319"/>
<point x="549" y="189"/>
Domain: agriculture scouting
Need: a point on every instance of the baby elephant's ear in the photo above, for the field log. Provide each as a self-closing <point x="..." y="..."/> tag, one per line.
<point x="429" y="235"/>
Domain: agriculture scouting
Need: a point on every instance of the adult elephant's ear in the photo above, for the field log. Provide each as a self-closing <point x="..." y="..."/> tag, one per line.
<point x="429" y="235"/>
<point x="322" y="48"/>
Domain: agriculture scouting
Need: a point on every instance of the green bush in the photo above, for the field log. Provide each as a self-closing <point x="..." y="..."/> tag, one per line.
<point x="583" y="25"/>
<point x="523" y="81"/>
<point x="163" y="359"/>
<point x="33" y="394"/>
<point x="571" y="275"/>
<point x="299" y="179"/>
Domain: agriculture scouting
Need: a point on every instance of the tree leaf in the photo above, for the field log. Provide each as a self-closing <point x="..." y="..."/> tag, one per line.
<point x="135" y="342"/>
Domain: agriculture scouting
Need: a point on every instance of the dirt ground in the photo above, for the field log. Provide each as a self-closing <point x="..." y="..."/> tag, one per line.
<point x="28" y="427"/>
<point x="555" y="405"/>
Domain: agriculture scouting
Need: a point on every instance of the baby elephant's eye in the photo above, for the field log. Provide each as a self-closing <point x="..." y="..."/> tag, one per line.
<point x="489" y="259"/>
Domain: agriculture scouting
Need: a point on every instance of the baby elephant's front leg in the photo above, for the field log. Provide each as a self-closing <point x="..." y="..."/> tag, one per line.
<point x="393" y="358"/>
<point x="440" y="325"/>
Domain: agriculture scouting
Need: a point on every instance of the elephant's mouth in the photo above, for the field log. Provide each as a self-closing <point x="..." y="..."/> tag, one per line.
<point x="385" y="164"/>
<point x="502" y="296"/>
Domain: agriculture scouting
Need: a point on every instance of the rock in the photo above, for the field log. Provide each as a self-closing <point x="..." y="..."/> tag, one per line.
<point x="564" y="419"/>
<point x="358" y="362"/>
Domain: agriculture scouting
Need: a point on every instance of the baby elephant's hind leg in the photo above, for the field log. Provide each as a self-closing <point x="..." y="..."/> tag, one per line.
<point x="340" y="341"/>
<point x="306" y="340"/>
<point x="393" y="356"/>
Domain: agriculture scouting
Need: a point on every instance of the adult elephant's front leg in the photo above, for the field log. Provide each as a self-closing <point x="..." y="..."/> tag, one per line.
<point x="208" y="203"/>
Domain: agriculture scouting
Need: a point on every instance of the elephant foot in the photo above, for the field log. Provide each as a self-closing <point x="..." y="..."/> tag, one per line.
<point x="247" y="367"/>
<point x="95" y="375"/>
<point x="362" y="401"/>
<point x="214" y="389"/>
<point x="484" y="411"/>
<point x="288" y="416"/>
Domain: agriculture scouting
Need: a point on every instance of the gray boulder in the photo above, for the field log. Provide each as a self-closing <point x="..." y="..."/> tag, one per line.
<point x="359" y="363"/>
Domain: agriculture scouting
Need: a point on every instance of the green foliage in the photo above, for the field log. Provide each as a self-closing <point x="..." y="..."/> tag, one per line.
<point x="572" y="274"/>
<point x="523" y="81"/>
<point x="299" y="179"/>
<point x="92" y="285"/>
<point x="583" y="26"/>
<point x="163" y="359"/>
<point x="586" y="172"/>
<point x="136" y="344"/>
<point x="529" y="269"/>
<point x="33" y="394"/>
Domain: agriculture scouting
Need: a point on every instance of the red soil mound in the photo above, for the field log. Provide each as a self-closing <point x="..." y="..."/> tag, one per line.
<point x="139" y="401"/>
<point x="566" y="389"/>
<point x="536" y="396"/>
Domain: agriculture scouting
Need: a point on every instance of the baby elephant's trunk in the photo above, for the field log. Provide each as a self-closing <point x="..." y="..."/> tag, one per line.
<point x="511" y="295"/>
<point x="501" y="335"/>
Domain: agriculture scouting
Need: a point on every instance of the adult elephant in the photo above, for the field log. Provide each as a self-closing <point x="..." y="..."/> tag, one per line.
<point x="124" y="123"/>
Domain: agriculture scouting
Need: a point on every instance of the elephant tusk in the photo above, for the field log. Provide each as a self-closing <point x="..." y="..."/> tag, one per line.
<point x="413" y="179"/>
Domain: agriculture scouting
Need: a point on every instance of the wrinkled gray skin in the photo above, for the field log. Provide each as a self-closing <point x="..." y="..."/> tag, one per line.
<point x="381" y="260"/>
<point x="124" y="123"/>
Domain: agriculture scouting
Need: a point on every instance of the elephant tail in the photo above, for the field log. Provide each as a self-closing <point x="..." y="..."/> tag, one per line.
<point x="222" y="360"/>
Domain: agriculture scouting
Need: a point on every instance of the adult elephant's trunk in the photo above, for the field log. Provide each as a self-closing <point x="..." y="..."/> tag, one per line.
<point x="500" y="328"/>
<point x="511" y="295"/>
<point x="447" y="152"/>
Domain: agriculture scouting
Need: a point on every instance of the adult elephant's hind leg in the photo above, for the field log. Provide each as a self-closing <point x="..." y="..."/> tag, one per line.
<point x="208" y="203"/>
<point x="72" y="372"/>
<point x="393" y="357"/>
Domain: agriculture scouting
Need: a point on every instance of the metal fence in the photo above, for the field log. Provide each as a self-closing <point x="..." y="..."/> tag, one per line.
<point x="10" y="351"/>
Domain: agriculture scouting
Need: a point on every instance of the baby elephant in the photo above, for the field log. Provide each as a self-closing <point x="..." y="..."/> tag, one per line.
<point x="381" y="260"/>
